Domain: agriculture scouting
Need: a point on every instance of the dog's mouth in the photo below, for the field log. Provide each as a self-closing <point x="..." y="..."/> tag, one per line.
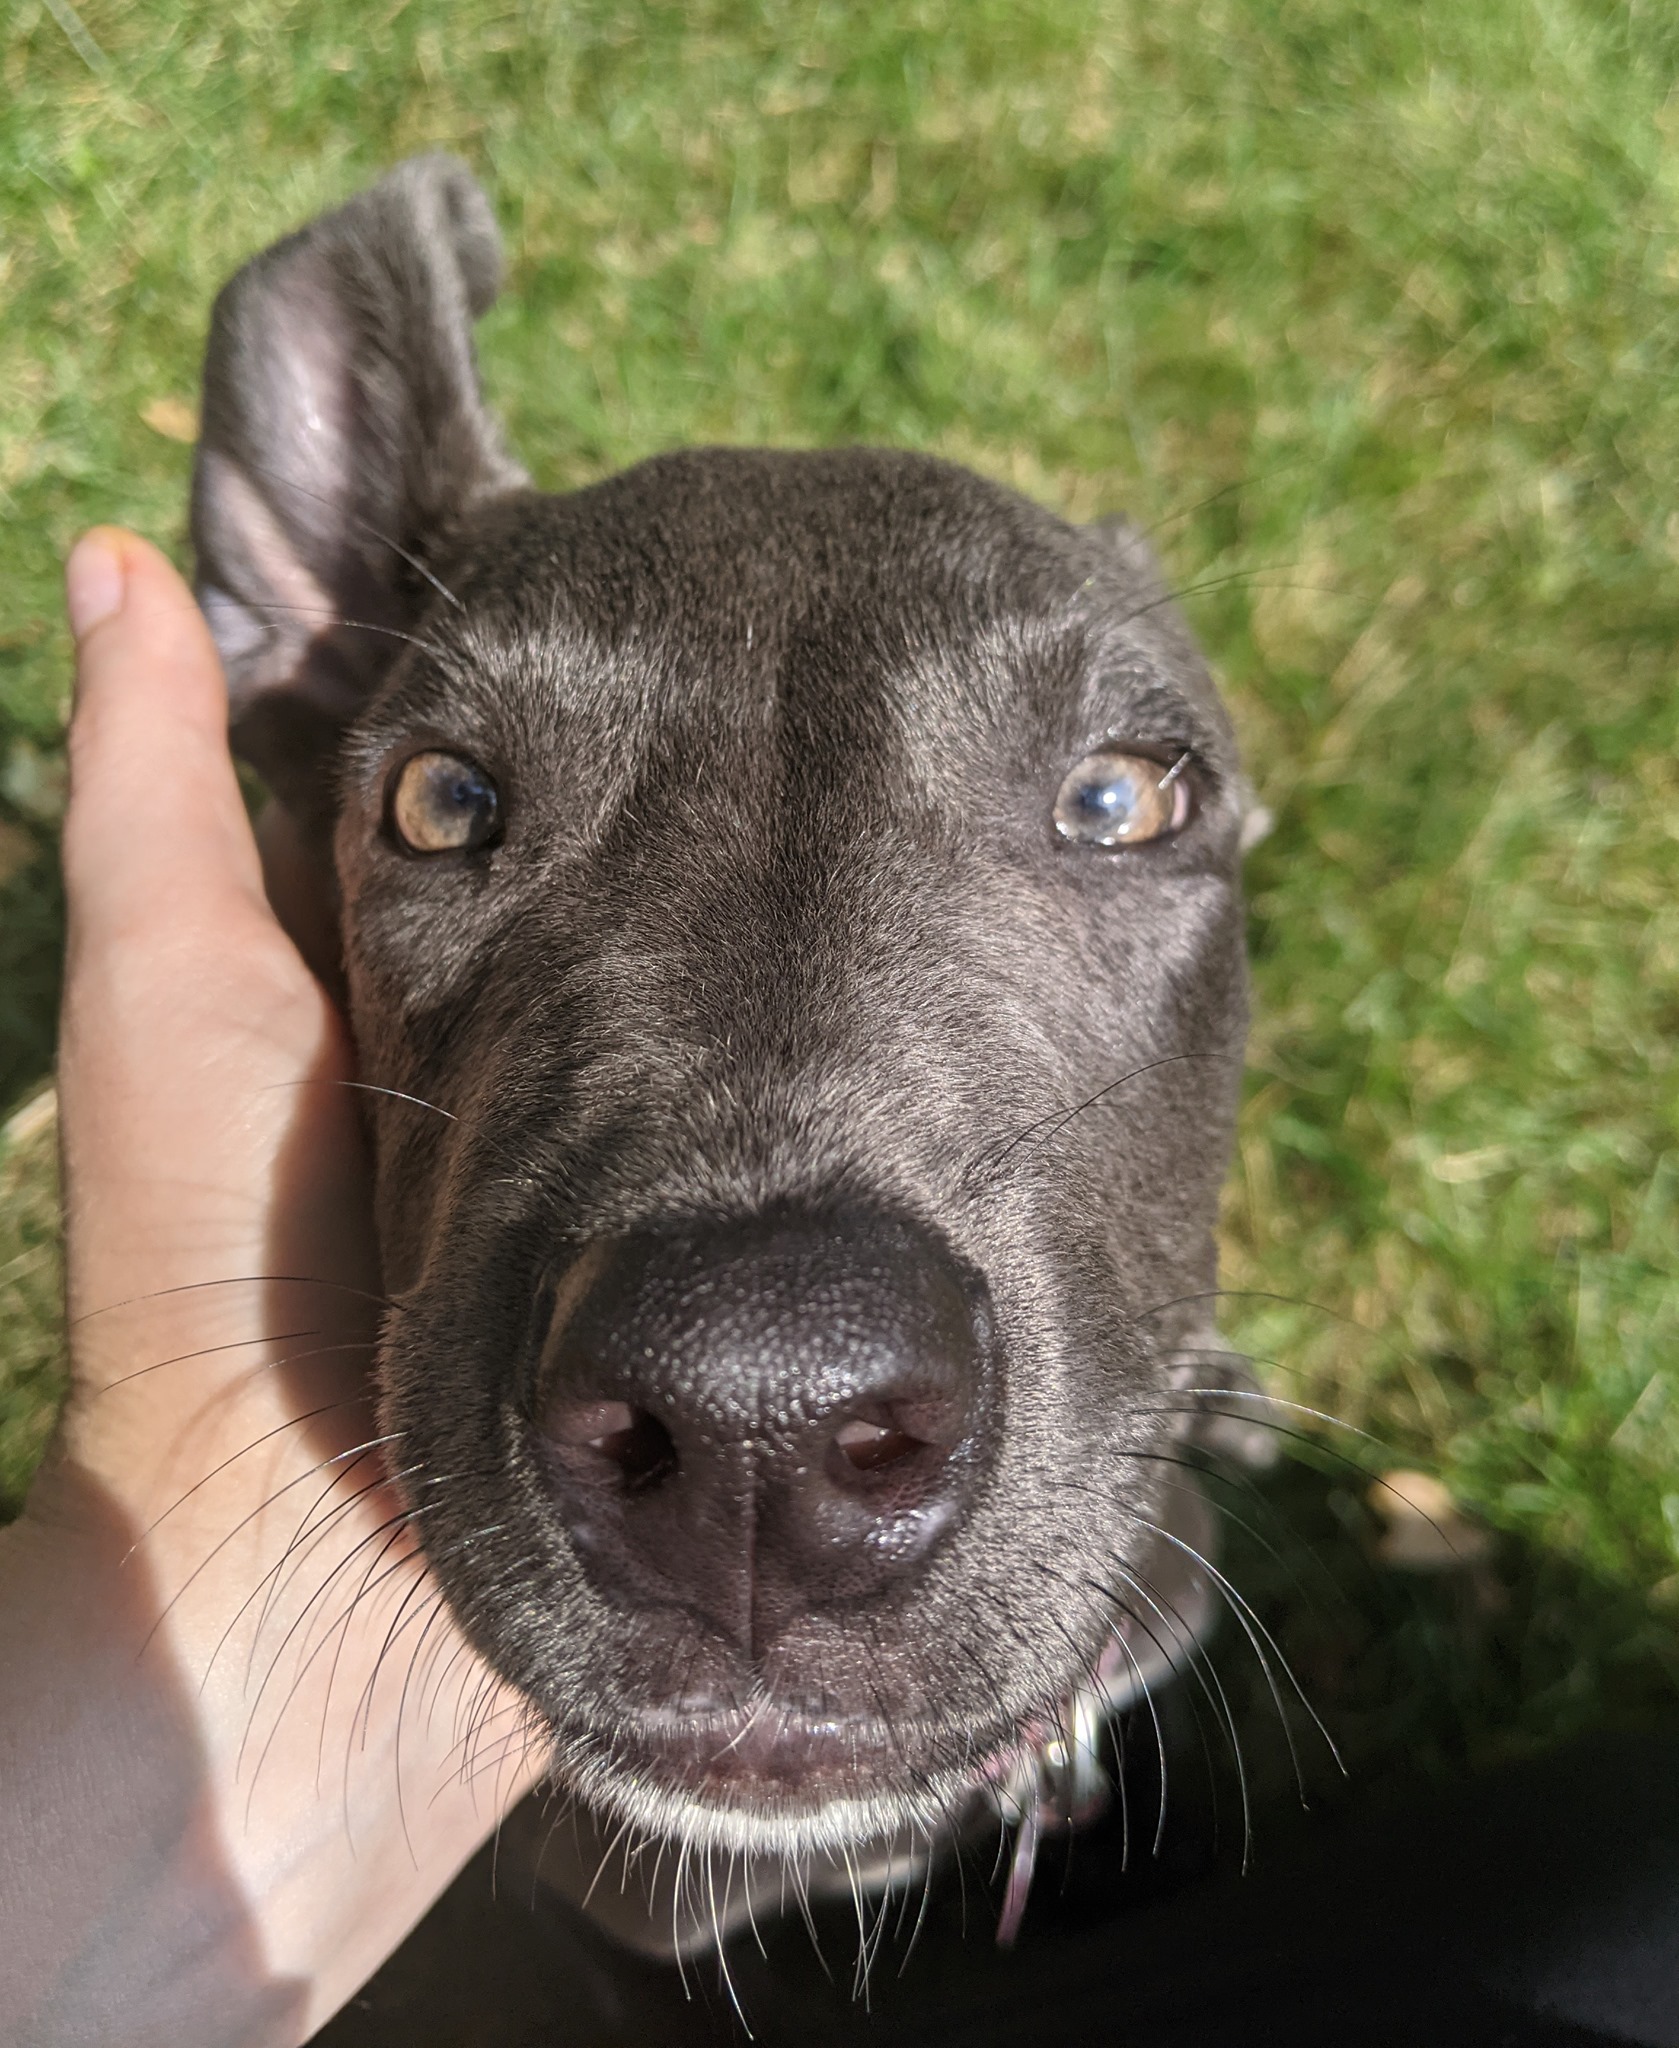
<point x="770" y="1779"/>
<point x="697" y="1809"/>
<point x="767" y="1788"/>
<point x="765" y="1758"/>
<point x="771" y="1759"/>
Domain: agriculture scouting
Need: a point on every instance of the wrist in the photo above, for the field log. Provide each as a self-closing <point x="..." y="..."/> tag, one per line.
<point x="202" y="1848"/>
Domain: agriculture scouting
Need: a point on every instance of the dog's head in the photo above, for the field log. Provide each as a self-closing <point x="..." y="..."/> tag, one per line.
<point x="789" y="906"/>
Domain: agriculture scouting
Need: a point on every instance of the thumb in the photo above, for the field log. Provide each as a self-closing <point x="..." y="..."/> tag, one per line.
<point x="194" y="1040"/>
<point x="156" y="828"/>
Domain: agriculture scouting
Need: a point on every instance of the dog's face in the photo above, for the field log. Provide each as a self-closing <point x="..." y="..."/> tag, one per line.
<point x="791" y="903"/>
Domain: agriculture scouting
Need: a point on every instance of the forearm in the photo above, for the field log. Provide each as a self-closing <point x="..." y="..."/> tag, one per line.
<point x="188" y="1860"/>
<point x="124" y="1916"/>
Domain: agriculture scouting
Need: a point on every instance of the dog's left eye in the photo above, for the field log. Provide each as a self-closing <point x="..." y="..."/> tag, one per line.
<point x="441" y="803"/>
<point x="1117" y="799"/>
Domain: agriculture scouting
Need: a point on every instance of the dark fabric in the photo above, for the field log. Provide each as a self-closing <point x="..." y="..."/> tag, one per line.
<point x="1538" y="1908"/>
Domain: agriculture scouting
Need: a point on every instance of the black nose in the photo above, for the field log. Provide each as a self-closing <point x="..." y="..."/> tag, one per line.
<point x="768" y="1418"/>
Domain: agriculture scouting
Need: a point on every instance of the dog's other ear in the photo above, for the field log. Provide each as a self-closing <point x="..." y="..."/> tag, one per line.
<point x="344" y="433"/>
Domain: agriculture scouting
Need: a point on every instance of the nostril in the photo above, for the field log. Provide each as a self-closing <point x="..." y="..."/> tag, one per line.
<point x="642" y="1451"/>
<point x="869" y="1446"/>
<point x="612" y="1442"/>
<point x="889" y="1441"/>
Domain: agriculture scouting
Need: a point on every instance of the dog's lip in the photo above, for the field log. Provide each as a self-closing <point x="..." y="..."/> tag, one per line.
<point x="777" y="1754"/>
<point x="766" y="1751"/>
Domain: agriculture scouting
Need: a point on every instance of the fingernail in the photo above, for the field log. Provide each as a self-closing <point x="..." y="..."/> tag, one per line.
<point x="93" y="583"/>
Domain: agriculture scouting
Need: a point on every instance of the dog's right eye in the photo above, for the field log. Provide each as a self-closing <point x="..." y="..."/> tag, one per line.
<point x="440" y="803"/>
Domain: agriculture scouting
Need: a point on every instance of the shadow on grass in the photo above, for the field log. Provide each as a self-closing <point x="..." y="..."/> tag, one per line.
<point x="31" y="1271"/>
<point x="31" y="913"/>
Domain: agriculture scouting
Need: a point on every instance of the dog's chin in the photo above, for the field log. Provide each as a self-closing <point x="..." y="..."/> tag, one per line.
<point x="774" y="1785"/>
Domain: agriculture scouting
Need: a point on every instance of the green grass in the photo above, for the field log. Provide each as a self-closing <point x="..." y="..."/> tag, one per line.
<point x="1375" y="309"/>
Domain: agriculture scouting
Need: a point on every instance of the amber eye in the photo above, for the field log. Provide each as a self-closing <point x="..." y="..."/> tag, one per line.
<point x="441" y="803"/>
<point x="1117" y="799"/>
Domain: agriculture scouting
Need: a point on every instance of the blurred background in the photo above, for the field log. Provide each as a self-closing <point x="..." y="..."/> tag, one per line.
<point x="1371" y="315"/>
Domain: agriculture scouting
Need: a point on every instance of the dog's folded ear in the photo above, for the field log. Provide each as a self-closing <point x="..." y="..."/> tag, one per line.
<point x="344" y="435"/>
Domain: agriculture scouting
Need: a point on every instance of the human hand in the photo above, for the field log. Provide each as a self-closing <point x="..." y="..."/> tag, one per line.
<point x="242" y="1745"/>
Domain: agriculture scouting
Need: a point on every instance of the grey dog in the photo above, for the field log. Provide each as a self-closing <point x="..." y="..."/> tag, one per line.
<point x="807" y="883"/>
